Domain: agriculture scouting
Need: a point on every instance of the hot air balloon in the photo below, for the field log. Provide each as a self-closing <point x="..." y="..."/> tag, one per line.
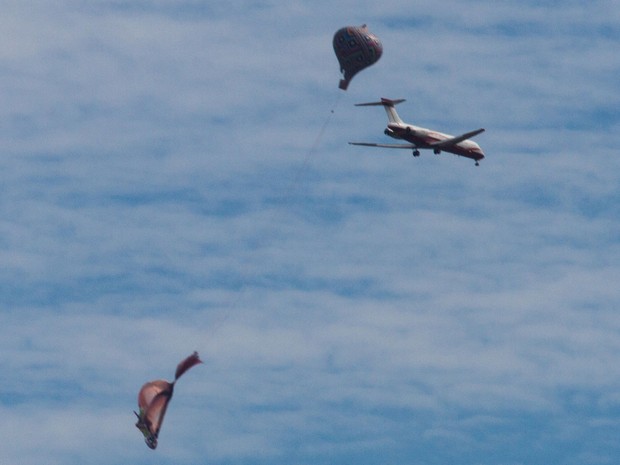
<point x="356" y="48"/>
<point x="153" y="401"/>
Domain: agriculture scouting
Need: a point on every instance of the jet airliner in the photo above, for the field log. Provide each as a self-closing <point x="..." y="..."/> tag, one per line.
<point x="422" y="138"/>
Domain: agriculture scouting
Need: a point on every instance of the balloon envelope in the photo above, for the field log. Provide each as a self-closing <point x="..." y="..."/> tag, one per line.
<point x="153" y="400"/>
<point x="356" y="48"/>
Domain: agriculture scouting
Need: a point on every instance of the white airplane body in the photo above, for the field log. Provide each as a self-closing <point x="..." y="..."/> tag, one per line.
<point x="422" y="138"/>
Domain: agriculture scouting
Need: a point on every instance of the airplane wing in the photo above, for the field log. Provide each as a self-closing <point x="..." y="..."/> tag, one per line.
<point x="387" y="146"/>
<point x="442" y="144"/>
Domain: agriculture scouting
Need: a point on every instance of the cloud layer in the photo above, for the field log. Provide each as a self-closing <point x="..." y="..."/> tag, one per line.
<point x="174" y="179"/>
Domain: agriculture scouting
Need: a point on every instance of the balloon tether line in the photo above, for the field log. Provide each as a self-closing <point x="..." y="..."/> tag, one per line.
<point x="225" y="312"/>
<point x="313" y="148"/>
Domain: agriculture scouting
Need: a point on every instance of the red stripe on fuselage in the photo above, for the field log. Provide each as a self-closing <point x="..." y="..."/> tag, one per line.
<point x="425" y="141"/>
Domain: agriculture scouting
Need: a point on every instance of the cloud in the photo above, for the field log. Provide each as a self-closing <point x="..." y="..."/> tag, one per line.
<point x="168" y="187"/>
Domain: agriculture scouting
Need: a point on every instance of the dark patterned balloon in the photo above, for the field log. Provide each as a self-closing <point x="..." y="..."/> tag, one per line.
<point x="356" y="48"/>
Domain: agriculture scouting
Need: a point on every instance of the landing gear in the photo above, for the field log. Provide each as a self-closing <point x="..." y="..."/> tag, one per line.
<point x="477" y="164"/>
<point x="436" y="151"/>
<point x="416" y="153"/>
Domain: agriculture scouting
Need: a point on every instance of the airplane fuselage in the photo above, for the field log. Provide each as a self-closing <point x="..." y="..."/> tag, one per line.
<point x="422" y="138"/>
<point x="425" y="139"/>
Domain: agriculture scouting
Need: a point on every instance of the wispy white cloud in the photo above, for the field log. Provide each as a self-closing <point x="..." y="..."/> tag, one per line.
<point x="166" y="188"/>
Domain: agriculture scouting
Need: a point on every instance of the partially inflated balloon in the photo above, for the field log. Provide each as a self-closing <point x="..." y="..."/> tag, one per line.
<point x="356" y="48"/>
<point x="153" y="400"/>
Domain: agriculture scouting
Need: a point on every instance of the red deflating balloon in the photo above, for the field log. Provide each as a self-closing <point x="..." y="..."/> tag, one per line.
<point x="153" y="400"/>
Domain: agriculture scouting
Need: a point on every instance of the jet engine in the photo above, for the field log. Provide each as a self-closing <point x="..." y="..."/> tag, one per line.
<point x="390" y="132"/>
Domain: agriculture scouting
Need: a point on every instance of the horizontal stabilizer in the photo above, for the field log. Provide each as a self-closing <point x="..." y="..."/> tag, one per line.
<point x="387" y="146"/>
<point x="386" y="102"/>
<point x="455" y="140"/>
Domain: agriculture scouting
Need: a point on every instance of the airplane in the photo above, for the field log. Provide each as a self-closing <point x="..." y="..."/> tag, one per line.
<point x="422" y="138"/>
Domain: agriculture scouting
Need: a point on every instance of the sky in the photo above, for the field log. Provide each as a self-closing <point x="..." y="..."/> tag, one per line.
<point x="175" y="176"/>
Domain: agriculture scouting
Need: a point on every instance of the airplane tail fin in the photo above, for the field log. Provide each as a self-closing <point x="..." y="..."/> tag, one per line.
<point x="388" y="105"/>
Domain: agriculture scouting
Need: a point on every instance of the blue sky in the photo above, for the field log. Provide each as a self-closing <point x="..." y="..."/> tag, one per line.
<point x="173" y="180"/>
